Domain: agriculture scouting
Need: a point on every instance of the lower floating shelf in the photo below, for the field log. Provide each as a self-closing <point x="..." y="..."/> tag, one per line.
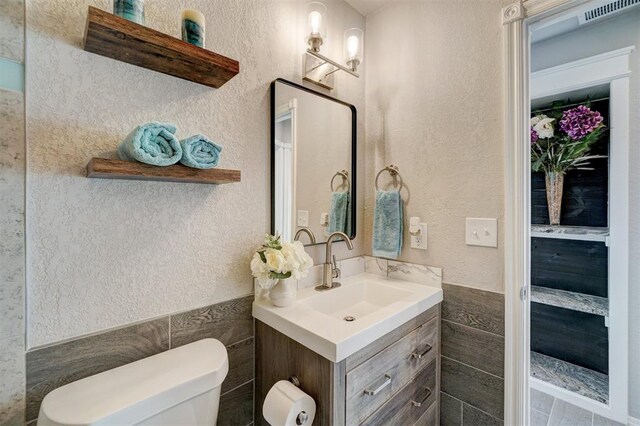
<point x="580" y="233"/>
<point x="570" y="300"/>
<point x="102" y="168"/>
<point x="580" y="380"/>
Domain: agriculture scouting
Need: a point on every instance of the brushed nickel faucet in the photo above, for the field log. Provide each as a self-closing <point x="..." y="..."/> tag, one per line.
<point x="330" y="269"/>
<point x="307" y="231"/>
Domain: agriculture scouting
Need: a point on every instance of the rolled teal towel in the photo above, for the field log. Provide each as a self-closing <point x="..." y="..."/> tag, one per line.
<point x="339" y="215"/>
<point x="387" y="225"/>
<point x="151" y="143"/>
<point x="199" y="152"/>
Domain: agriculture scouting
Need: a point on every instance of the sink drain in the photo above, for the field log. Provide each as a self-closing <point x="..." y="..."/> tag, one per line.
<point x="349" y="318"/>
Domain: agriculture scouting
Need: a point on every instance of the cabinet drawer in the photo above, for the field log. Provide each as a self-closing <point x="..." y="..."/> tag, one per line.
<point x="413" y="404"/>
<point x="429" y="418"/>
<point x="374" y="381"/>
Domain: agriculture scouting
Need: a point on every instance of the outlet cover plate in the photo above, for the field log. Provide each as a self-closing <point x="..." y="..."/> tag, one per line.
<point x="419" y="240"/>
<point x="482" y="232"/>
<point x="303" y="218"/>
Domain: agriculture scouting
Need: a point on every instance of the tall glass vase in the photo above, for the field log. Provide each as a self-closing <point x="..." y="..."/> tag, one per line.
<point x="554" y="183"/>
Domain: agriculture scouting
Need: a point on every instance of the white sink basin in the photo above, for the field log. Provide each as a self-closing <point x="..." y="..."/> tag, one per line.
<point x="357" y="299"/>
<point x="378" y="304"/>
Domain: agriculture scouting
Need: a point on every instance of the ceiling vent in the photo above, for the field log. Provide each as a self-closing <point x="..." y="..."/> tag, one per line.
<point x="605" y="10"/>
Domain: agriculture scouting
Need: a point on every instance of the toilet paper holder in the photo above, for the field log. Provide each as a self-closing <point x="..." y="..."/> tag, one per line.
<point x="294" y="381"/>
<point x="302" y="417"/>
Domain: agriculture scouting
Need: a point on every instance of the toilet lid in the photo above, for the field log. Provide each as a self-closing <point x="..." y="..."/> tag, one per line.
<point x="136" y="391"/>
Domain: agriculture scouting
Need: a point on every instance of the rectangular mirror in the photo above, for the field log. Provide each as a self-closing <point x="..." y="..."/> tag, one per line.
<point x="313" y="164"/>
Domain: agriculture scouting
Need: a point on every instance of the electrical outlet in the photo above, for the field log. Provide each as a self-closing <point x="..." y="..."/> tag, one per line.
<point x="303" y="217"/>
<point x="419" y="239"/>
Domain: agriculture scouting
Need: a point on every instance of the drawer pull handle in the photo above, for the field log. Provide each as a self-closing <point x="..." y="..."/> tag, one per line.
<point x="417" y="355"/>
<point x="419" y="404"/>
<point x="386" y="383"/>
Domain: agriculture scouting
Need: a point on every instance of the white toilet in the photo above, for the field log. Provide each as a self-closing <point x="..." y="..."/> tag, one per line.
<point x="177" y="387"/>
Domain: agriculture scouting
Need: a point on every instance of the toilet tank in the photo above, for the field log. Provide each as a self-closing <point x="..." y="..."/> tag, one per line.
<point x="179" y="386"/>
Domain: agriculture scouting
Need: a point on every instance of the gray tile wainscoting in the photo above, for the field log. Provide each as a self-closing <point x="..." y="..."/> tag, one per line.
<point x="472" y="357"/>
<point x="230" y="322"/>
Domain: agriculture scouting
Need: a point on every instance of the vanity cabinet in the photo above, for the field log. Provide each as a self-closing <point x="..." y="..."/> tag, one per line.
<point x="393" y="381"/>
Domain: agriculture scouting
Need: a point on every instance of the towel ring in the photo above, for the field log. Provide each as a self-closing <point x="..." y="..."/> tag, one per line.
<point x="393" y="171"/>
<point x="345" y="175"/>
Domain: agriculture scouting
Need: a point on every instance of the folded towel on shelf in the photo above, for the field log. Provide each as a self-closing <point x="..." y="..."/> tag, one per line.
<point x="151" y="143"/>
<point x="199" y="152"/>
<point x="340" y="213"/>
<point x="387" y="225"/>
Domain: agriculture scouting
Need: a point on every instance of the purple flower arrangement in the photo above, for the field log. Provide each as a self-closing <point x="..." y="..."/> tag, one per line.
<point x="534" y="136"/>
<point x="580" y="121"/>
<point x="560" y="148"/>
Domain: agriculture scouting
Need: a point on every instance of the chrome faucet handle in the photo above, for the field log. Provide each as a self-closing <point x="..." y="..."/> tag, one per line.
<point x="335" y="271"/>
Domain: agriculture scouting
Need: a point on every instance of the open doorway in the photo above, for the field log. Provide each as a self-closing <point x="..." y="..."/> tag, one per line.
<point x="578" y="227"/>
<point x="572" y="258"/>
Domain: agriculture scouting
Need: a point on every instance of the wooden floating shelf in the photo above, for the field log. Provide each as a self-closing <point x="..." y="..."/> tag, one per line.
<point x="570" y="300"/>
<point x="580" y="233"/>
<point x="115" y="37"/>
<point x="102" y="168"/>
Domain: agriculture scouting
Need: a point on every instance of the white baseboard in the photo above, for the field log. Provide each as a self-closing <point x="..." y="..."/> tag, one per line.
<point x="633" y="421"/>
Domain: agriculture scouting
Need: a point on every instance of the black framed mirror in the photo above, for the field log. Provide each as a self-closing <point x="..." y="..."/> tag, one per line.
<point x="313" y="164"/>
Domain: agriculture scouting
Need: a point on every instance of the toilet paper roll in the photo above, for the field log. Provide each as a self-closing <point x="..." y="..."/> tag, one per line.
<point x="287" y="405"/>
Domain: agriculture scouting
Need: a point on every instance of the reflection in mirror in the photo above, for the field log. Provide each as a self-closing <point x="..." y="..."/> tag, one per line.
<point x="313" y="164"/>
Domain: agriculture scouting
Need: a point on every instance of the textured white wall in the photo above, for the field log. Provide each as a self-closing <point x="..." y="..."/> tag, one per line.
<point x="12" y="198"/>
<point x="616" y="33"/>
<point x="106" y="253"/>
<point x="434" y="108"/>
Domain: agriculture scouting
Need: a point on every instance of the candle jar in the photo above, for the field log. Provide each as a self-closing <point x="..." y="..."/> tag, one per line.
<point x="133" y="10"/>
<point x="193" y="27"/>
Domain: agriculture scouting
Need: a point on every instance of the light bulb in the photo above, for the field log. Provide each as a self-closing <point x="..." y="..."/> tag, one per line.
<point x="315" y="19"/>
<point x="352" y="46"/>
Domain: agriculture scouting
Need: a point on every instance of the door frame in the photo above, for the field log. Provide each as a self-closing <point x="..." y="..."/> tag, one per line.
<point x="518" y="20"/>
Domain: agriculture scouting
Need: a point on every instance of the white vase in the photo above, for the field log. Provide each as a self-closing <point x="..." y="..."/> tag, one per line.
<point x="284" y="293"/>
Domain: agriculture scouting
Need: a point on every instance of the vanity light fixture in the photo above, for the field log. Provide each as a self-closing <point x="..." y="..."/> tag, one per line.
<point x="316" y="16"/>
<point x="319" y="69"/>
<point x="353" y="47"/>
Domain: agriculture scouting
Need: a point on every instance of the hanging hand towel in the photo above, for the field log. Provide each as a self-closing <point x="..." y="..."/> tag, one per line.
<point x="387" y="225"/>
<point x="199" y="152"/>
<point x="151" y="143"/>
<point x="339" y="215"/>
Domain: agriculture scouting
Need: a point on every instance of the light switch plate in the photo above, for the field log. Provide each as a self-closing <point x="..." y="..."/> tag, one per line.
<point x="303" y="217"/>
<point x="482" y="232"/>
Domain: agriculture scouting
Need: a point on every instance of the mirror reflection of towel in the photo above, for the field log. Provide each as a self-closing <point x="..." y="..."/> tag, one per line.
<point x="387" y="225"/>
<point x="340" y="213"/>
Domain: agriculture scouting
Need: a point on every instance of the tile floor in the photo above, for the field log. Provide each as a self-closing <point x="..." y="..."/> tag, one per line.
<point x="549" y="411"/>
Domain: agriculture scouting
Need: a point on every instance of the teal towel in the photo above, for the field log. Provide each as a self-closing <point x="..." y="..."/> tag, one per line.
<point x="339" y="215"/>
<point x="151" y="143"/>
<point x="199" y="152"/>
<point x="387" y="225"/>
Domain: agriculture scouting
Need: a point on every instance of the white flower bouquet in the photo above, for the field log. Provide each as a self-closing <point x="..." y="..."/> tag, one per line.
<point x="278" y="261"/>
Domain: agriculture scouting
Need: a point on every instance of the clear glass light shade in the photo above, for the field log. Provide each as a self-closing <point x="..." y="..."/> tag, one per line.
<point x="316" y="13"/>
<point x="353" y="47"/>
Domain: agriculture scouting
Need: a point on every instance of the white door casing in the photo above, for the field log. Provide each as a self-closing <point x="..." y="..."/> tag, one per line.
<point x="611" y="68"/>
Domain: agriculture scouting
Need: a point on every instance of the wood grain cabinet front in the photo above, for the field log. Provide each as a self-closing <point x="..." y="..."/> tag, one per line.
<point x="393" y="381"/>
<point x="376" y="380"/>
<point x="408" y="405"/>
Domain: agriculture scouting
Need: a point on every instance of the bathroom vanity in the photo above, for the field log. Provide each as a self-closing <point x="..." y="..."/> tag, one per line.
<point x="382" y="368"/>
<point x="367" y="349"/>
